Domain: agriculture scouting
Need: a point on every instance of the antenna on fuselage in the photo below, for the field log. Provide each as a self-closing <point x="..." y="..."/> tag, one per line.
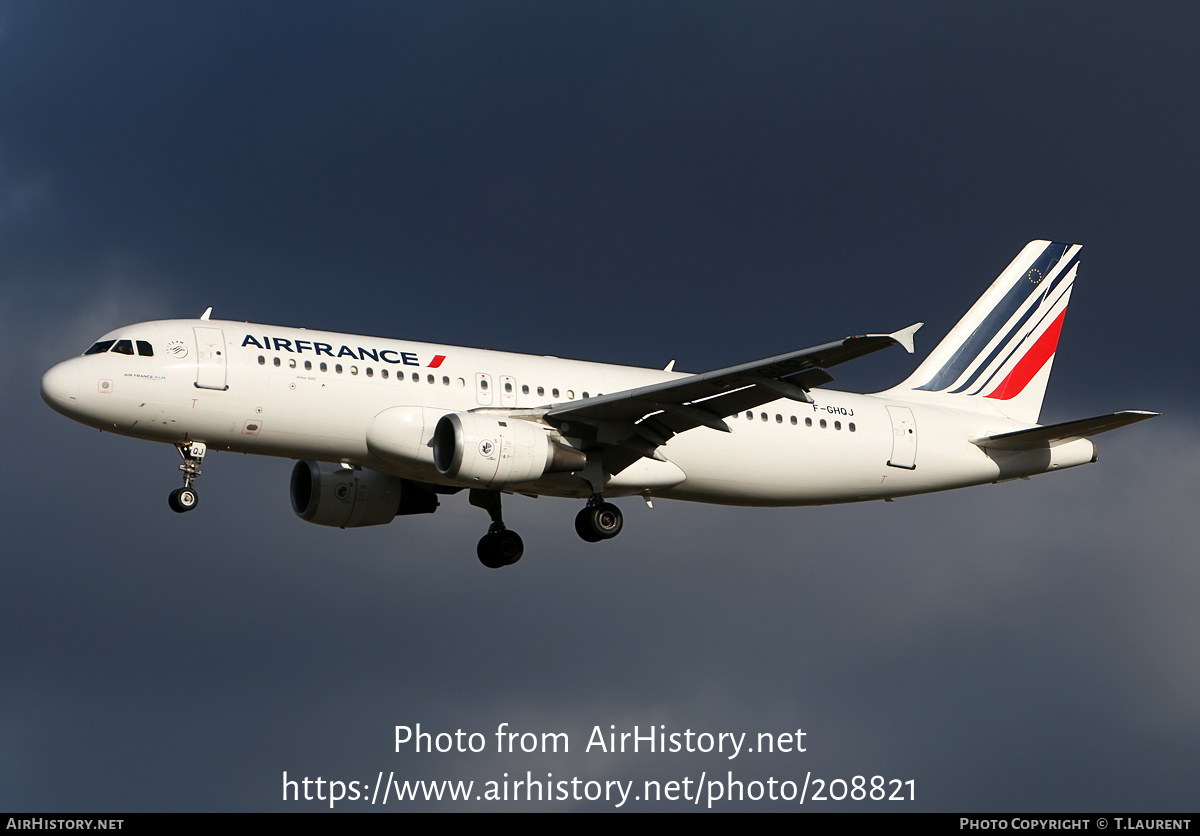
<point x="207" y="313"/>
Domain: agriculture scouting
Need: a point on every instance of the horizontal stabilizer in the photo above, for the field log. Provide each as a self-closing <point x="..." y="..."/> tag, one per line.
<point x="1053" y="435"/>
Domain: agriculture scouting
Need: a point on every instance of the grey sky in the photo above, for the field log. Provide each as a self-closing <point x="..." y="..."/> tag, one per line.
<point x="617" y="182"/>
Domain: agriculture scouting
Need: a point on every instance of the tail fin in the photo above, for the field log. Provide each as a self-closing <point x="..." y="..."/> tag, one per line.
<point x="1001" y="351"/>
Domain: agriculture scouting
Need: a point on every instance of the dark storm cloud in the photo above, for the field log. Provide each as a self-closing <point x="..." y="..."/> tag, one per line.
<point x="620" y="183"/>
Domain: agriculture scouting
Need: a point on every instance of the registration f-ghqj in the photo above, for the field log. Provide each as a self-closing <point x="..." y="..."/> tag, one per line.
<point x="383" y="427"/>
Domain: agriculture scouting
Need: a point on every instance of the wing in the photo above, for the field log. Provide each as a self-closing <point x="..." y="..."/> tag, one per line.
<point x="636" y="422"/>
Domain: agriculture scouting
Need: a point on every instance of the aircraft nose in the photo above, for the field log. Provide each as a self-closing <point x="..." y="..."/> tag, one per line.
<point x="60" y="386"/>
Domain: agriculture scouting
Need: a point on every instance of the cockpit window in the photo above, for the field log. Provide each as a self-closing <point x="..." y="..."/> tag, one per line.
<point x="144" y="349"/>
<point x="123" y="347"/>
<point x="100" y="347"/>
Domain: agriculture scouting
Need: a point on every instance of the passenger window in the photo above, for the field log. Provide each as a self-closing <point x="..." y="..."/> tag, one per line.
<point x="554" y="393"/>
<point x="749" y="416"/>
<point x="277" y="363"/>
<point x="851" y="426"/>
<point x="383" y="373"/>
<point x="837" y="425"/>
<point x="100" y="347"/>
<point x="338" y="368"/>
<point x="823" y="424"/>
<point x="354" y="370"/>
<point x="123" y="347"/>
<point x="763" y="415"/>
<point x="541" y="391"/>
<point x="308" y="365"/>
<point x="778" y="418"/>
<point x="585" y="394"/>
<point x="525" y="389"/>
<point x="262" y="361"/>
<point x="370" y="372"/>
<point x="483" y="383"/>
<point x="571" y="394"/>
<point x="507" y="387"/>
<point x="429" y="378"/>
<point x="808" y="422"/>
<point x="291" y="362"/>
<point x="144" y="349"/>
<point x="793" y="420"/>
<point x="445" y="380"/>
<point x="416" y="378"/>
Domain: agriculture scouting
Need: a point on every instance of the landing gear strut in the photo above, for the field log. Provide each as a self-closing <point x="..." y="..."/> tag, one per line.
<point x="185" y="498"/>
<point x="599" y="520"/>
<point x="499" y="547"/>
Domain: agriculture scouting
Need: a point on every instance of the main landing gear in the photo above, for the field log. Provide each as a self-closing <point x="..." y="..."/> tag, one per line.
<point x="499" y="547"/>
<point x="185" y="498"/>
<point x="599" y="520"/>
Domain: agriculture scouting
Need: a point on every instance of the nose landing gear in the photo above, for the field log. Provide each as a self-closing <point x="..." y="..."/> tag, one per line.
<point x="185" y="499"/>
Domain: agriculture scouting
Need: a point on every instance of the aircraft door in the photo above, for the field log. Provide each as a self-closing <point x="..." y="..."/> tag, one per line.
<point x="210" y="358"/>
<point x="904" y="438"/>
<point x="483" y="389"/>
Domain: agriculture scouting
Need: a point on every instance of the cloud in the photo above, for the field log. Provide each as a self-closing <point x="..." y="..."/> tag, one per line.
<point x="47" y="318"/>
<point x="21" y="197"/>
<point x="1026" y="645"/>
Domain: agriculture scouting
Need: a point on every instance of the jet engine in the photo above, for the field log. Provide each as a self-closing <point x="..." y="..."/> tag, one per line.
<point x="350" y="497"/>
<point x="473" y="447"/>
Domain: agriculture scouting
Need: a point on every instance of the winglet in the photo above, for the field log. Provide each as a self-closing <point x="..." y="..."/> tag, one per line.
<point x="905" y="336"/>
<point x="207" y="313"/>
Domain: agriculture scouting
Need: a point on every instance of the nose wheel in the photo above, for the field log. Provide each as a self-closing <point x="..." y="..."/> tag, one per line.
<point x="599" y="521"/>
<point x="185" y="499"/>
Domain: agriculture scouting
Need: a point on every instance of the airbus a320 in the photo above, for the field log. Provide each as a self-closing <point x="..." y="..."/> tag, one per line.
<point x="383" y="428"/>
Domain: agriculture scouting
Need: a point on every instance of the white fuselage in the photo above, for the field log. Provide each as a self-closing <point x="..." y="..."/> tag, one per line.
<point x="313" y="395"/>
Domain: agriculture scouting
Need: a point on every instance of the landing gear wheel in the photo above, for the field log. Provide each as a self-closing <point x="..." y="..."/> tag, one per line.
<point x="498" y="549"/>
<point x="583" y="526"/>
<point x="182" y="500"/>
<point x="601" y="521"/>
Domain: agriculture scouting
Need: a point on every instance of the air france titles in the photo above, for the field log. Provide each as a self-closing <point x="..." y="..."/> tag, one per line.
<point x="385" y="355"/>
<point x="658" y="740"/>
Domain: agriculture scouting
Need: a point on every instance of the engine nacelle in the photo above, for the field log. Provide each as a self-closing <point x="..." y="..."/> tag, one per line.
<point x="498" y="451"/>
<point x="402" y="433"/>
<point x="329" y="494"/>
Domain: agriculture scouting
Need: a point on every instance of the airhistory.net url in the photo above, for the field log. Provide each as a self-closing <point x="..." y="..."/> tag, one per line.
<point x="528" y="789"/>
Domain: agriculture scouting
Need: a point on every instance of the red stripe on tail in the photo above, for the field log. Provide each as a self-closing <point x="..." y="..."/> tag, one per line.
<point x="1031" y="363"/>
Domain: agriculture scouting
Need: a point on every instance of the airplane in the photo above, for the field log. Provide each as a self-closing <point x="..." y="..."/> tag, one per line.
<point x="382" y="428"/>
